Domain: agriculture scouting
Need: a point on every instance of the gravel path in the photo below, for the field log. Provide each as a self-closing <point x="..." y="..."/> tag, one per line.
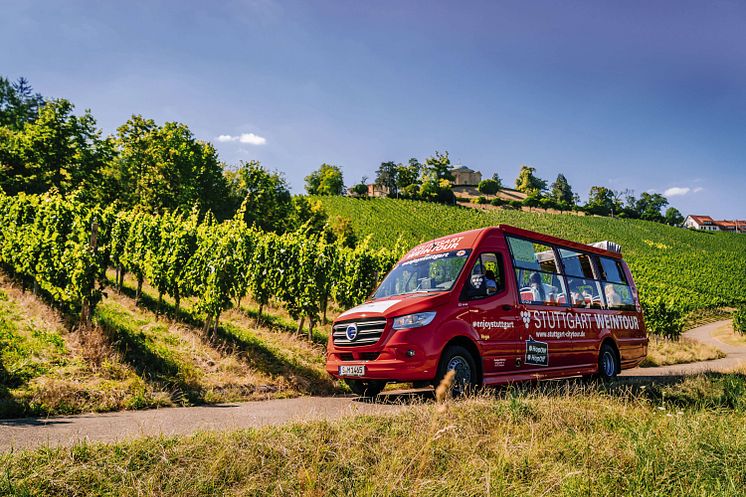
<point x="16" y="434"/>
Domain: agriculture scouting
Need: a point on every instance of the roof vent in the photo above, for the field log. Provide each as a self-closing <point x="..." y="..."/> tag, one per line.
<point x="607" y="245"/>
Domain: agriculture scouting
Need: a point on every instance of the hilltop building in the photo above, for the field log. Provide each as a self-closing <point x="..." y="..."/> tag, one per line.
<point x="464" y="176"/>
<point x="706" y="223"/>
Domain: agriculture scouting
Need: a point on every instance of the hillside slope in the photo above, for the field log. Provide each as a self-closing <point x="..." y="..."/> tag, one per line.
<point x="133" y="359"/>
<point x="691" y="269"/>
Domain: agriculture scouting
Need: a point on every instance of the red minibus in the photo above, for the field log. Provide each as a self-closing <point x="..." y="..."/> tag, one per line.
<point x="497" y="305"/>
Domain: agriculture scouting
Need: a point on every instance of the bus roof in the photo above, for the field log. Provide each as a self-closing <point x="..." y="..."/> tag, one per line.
<point x="468" y="239"/>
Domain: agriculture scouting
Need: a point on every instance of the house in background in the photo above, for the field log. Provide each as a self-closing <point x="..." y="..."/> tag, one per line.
<point x="375" y="190"/>
<point x="706" y="223"/>
<point x="463" y="176"/>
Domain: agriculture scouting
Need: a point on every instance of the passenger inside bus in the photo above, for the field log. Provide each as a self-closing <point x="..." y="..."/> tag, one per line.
<point x="490" y="282"/>
<point x="612" y="298"/>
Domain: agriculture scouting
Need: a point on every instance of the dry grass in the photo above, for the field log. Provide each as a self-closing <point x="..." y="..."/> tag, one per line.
<point x="134" y="358"/>
<point x="663" y="352"/>
<point x="568" y="440"/>
<point x="49" y="369"/>
<point x="726" y="334"/>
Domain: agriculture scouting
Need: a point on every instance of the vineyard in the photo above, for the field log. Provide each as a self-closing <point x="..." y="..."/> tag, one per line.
<point x="676" y="270"/>
<point x="63" y="249"/>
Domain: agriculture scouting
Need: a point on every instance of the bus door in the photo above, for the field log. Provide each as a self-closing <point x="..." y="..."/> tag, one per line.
<point x="492" y="313"/>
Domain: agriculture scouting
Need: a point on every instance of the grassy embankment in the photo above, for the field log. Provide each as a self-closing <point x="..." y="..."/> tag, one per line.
<point x="133" y="358"/>
<point x="563" y="438"/>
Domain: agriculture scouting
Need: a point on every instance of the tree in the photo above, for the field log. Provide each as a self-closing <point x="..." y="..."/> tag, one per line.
<point x="649" y="205"/>
<point x="18" y="103"/>
<point x="437" y="190"/>
<point x="266" y="195"/>
<point x="561" y="193"/>
<point x="438" y="167"/>
<point x="674" y="217"/>
<point x="409" y="174"/>
<point x="361" y="189"/>
<point x="528" y="183"/>
<point x="498" y="180"/>
<point x="488" y="186"/>
<point x="58" y="149"/>
<point x="387" y="176"/>
<point x="165" y="167"/>
<point x="326" y="180"/>
<point x="600" y="201"/>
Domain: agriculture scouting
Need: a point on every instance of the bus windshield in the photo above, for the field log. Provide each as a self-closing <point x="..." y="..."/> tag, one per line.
<point x="432" y="273"/>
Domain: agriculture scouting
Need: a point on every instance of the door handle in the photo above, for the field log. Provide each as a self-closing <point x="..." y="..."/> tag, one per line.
<point x="507" y="307"/>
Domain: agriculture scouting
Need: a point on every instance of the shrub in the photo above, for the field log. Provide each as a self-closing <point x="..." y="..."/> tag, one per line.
<point x="662" y="317"/>
<point x="739" y="320"/>
<point x="488" y="186"/>
<point x="479" y="200"/>
<point x="497" y="201"/>
<point x="516" y="204"/>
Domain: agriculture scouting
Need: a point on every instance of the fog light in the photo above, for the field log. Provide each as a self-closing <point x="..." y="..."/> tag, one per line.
<point x="410" y="353"/>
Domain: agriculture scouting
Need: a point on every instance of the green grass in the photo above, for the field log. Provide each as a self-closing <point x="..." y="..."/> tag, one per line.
<point x="563" y="438"/>
<point x="46" y="369"/>
<point x="695" y="270"/>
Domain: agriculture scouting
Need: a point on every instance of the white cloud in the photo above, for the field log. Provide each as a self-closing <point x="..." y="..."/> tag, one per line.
<point x="252" y="139"/>
<point x="249" y="138"/>
<point x="698" y="189"/>
<point x="677" y="190"/>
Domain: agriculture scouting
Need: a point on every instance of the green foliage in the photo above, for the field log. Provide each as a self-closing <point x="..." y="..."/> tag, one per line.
<point x="488" y="186"/>
<point x="662" y="317"/>
<point x="408" y="175"/>
<point x="561" y="193"/>
<point x="739" y="320"/>
<point x="528" y="182"/>
<point x="479" y="200"/>
<point x="437" y="167"/>
<point x="601" y="201"/>
<point x="649" y="206"/>
<point x="57" y="149"/>
<point x="52" y="242"/>
<point x="18" y="103"/>
<point x="360" y="189"/>
<point x="164" y="168"/>
<point x="387" y="176"/>
<point x="266" y="195"/>
<point x="673" y="217"/>
<point x="327" y="180"/>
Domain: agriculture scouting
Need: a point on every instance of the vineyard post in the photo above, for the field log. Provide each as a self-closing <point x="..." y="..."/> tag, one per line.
<point x="86" y="311"/>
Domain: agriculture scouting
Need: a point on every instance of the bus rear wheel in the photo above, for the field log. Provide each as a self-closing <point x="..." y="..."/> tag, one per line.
<point x="608" y="362"/>
<point x="366" y="388"/>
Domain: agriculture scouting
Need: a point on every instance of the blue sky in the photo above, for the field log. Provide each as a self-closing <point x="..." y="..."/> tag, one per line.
<point x="639" y="95"/>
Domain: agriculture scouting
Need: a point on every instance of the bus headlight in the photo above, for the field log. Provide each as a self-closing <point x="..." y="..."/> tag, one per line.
<point x="414" y="320"/>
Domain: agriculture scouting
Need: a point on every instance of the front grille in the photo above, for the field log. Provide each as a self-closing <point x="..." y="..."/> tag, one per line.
<point x="369" y="331"/>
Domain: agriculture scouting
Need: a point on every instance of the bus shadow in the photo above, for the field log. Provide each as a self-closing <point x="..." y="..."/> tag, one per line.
<point x="704" y="390"/>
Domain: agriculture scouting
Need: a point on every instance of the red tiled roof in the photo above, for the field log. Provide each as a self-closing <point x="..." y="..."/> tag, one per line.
<point x="702" y="219"/>
<point x="741" y="224"/>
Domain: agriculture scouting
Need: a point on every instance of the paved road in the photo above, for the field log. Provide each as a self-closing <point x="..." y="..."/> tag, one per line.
<point x="109" y="427"/>
<point x="735" y="355"/>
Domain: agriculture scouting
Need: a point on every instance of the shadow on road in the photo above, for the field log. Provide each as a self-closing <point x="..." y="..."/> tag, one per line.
<point x="705" y="390"/>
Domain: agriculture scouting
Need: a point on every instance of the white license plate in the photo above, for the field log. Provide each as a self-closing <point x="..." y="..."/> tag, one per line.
<point x="351" y="370"/>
